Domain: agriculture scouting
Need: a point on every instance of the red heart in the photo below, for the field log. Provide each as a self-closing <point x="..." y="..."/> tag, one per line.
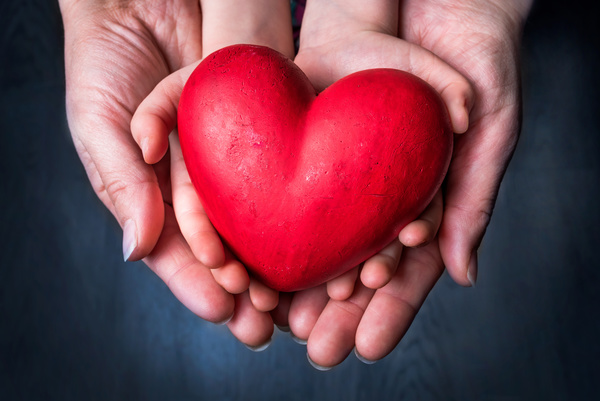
<point x="303" y="187"/>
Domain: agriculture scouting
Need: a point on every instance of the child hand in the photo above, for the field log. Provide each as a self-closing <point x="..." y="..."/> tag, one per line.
<point x="224" y="23"/>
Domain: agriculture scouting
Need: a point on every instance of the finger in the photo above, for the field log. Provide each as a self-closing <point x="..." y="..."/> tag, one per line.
<point x="478" y="165"/>
<point x="282" y="310"/>
<point x="454" y="88"/>
<point x="156" y="116"/>
<point x="379" y="269"/>
<point x="100" y="102"/>
<point x="342" y="287"/>
<point x="305" y="310"/>
<point x="332" y="338"/>
<point x="191" y="216"/>
<point x="390" y="52"/>
<point x="229" y="22"/>
<point x="126" y="185"/>
<point x="423" y="230"/>
<point x="251" y="327"/>
<point x="232" y="275"/>
<point x="393" y="307"/>
<point x="192" y="283"/>
<point x="263" y="298"/>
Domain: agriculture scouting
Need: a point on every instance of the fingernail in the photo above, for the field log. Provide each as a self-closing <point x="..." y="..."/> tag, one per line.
<point x="224" y="322"/>
<point x="129" y="239"/>
<point x="316" y="365"/>
<point x="259" y="348"/>
<point x="472" y="269"/>
<point x="144" y="146"/>
<point x="285" y="329"/>
<point x="297" y="339"/>
<point x="363" y="359"/>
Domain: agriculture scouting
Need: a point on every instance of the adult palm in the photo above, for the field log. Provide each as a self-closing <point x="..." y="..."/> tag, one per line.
<point x="115" y="54"/>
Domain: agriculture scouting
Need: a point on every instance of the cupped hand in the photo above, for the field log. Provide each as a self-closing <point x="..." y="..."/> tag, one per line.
<point x="115" y="54"/>
<point x="372" y="314"/>
<point x="225" y="22"/>
<point x="339" y="38"/>
<point x="480" y="39"/>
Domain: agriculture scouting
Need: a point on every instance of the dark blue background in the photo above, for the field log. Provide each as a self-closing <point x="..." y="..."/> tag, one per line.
<point x="76" y="323"/>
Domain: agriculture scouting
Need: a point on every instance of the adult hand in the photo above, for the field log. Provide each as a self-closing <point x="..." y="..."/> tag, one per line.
<point x="115" y="54"/>
<point x="484" y="48"/>
<point x="480" y="39"/>
<point x="339" y="38"/>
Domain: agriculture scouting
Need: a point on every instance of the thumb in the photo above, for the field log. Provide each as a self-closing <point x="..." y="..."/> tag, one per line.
<point x="156" y="116"/>
<point x="453" y="87"/>
<point x="480" y="159"/>
<point x="126" y="185"/>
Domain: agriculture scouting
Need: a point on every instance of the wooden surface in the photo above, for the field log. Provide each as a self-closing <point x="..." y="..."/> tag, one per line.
<point x="78" y="324"/>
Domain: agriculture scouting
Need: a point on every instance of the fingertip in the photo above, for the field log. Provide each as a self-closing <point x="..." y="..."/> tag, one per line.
<point x="460" y="239"/>
<point x="320" y="368"/>
<point x="212" y="253"/>
<point x="263" y="298"/>
<point x="260" y="347"/>
<point x="459" y="115"/>
<point x="363" y="359"/>
<point x="459" y="99"/>
<point x="375" y="276"/>
<point x="416" y="234"/>
<point x="142" y="230"/>
<point x="232" y="276"/>
<point x="342" y="287"/>
<point x="422" y="231"/>
<point x="472" y="268"/>
<point x="130" y="239"/>
<point x="339" y="292"/>
<point x="252" y="327"/>
<point x="305" y="309"/>
<point x="154" y="148"/>
<point x="151" y="134"/>
<point x="379" y="270"/>
<point x="457" y="266"/>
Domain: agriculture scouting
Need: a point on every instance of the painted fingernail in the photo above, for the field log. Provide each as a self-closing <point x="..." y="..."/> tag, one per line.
<point x="472" y="268"/>
<point x="363" y="359"/>
<point x="297" y="339"/>
<point x="129" y="239"/>
<point x="316" y="365"/>
<point x="259" y="348"/>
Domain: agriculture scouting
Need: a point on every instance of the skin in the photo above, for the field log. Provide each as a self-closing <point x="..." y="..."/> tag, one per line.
<point x="159" y="39"/>
<point x="116" y="52"/>
<point x="480" y="41"/>
<point x="153" y="122"/>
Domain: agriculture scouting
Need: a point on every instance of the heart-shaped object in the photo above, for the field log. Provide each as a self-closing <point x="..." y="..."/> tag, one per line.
<point x="303" y="187"/>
